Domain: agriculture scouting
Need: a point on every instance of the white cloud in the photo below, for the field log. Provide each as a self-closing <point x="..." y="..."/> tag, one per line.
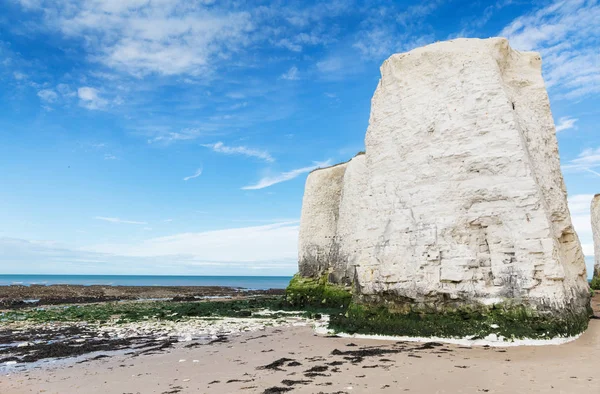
<point x="566" y="33"/>
<point x="269" y="249"/>
<point x="65" y="90"/>
<point x="108" y="156"/>
<point x="330" y="65"/>
<point x="565" y="123"/>
<point x="48" y="95"/>
<point x="196" y="175"/>
<point x="118" y="220"/>
<point x="588" y="161"/>
<point x="285" y="176"/>
<point x="19" y="75"/>
<point x="291" y="74"/>
<point x="90" y="98"/>
<point x="240" y="150"/>
<point x="248" y="244"/>
<point x="140" y="37"/>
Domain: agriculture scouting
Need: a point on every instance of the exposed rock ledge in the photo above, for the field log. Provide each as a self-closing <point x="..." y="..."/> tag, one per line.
<point x="596" y="231"/>
<point x="459" y="202"/>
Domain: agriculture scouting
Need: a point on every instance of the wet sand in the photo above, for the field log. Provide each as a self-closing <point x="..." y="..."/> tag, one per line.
<point x="312" y="364"/>
<point x="294" y="359"/>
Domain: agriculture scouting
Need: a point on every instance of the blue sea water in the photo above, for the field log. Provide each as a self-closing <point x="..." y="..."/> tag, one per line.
<point x="246" y="282"/>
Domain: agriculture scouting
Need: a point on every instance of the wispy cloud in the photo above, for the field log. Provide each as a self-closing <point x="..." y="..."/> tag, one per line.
<point x="240" y="150"/>
<point x="567" y="34"/>
<point x="236" y="244"/>
<point x="291" y="74"/>
<point x="196" y="175"/>
<point x="48" y="95"/>
<point x="90" y="98"/>
<point x="565" y="123"/>
<point x="394" y="27"/>
<point x="19" y="76"/>
<point x="588" y="161"/>
<point x="118" y="220"/>
<point x="141" y="37"/>
<point x="285" y="176"/>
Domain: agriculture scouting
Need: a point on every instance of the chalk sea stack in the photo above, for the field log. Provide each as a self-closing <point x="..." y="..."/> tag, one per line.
<point x="454" y="221"/>
<point x="596" y="232"/>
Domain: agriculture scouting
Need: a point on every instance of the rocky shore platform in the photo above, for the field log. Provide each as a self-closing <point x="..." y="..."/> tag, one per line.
<point x="19" y="296"/>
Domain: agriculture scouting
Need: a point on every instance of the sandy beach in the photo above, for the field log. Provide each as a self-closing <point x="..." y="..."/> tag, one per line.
<point x="294" y="359"/>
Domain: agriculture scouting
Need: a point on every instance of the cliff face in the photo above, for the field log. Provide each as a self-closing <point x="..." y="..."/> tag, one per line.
<point x="596" y="232"/>
<point x="459" y="199"/>
<point x="318" y="241"/>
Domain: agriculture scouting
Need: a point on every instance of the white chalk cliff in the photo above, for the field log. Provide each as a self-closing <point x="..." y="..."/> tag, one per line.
<point x="596" y="232"/>
<point x="459" y="197"/>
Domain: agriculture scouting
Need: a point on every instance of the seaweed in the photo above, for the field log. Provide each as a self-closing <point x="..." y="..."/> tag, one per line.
<point x="307" y="292"/>
<point x="506" y="320"/>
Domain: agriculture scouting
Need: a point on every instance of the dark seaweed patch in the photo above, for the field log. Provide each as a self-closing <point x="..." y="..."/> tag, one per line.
<point x="288" y="382"/>
<point x="276" y="390"/>
<point x="277" y="364"/>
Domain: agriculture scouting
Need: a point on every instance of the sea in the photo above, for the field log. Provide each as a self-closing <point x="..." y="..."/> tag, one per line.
<point x="246" y="282"/>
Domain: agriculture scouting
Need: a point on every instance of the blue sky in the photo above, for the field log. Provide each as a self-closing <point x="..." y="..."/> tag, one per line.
<point x="174" y="136"/>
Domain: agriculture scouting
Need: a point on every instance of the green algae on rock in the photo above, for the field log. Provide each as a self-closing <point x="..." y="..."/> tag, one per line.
<point x="317" y="293"/>
<point x="503" y="320"/>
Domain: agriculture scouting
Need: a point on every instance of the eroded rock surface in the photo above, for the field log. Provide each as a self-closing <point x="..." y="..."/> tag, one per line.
<point x="596" y="232"/>
<point x="459" y="199"/>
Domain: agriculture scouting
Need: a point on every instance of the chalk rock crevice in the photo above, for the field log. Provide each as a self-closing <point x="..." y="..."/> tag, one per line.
<point x="459" y="199"/>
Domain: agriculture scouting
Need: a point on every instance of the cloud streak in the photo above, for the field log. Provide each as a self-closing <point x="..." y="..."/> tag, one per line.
<point x="196" y="175"/>
<point x="565" y="123"/>
<point x="118" y="220"/>
<point x="291" y="74"/>
<point x="219" y="147"/>
<point x="588" y="161"/>
<point x="268" y="181"/>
